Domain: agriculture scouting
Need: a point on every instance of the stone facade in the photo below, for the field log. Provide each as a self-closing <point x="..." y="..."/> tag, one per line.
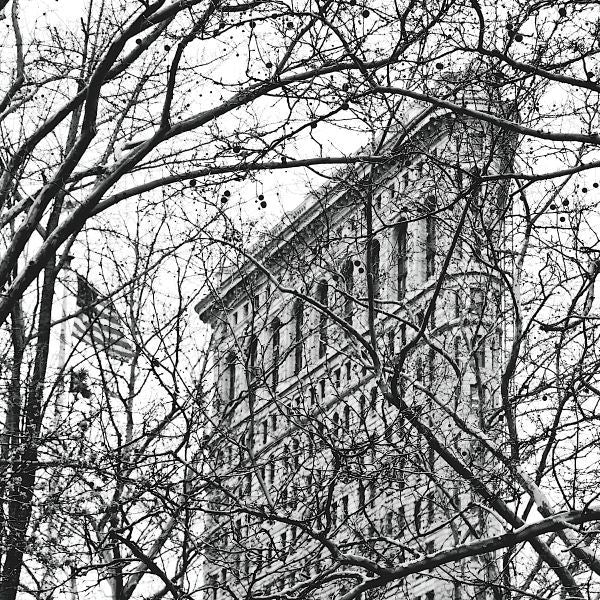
<point x="310" y="458"/>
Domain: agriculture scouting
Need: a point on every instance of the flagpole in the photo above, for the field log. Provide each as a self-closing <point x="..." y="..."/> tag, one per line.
<point x="62" y="345"/>
<point x="60" y="398"/>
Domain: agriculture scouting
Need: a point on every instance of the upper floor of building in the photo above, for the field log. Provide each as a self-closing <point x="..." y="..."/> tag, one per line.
<point x="362" y="259"/>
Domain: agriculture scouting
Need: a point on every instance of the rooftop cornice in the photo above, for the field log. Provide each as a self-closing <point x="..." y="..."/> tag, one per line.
<point x="299" y="218"/>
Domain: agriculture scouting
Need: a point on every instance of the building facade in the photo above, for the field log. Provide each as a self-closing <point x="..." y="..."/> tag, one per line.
<point x="383" y="285"/>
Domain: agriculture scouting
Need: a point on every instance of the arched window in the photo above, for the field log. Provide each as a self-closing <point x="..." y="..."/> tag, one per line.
<point x="298" y="323"/>
<point x="323" y="298"/>
<point x="275" y="350"/>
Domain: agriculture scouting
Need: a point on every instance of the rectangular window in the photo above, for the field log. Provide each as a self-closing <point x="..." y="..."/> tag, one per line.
<point x="283" y="538"/>
<point x="495" y="350"/>
<point x="389" y="523"/>
<point x="252" y="355"/>
<point x="479" y="351"/>
<point x="430" y="508"/>
<point x="474" y="399"/>
<point x="391" y="343"/>
<point x="477" y="296"/>
<point x="323" y="298"/>
<point x="231" y="377"/>
<point x="213" y="582"/>
<point x="460" y="247"/>
<point x="420" y="316"/>
<point x="298" y="323"/>
<point x="405" y="180"/>
<point x="372" y="492"/>
<point x="322" y="389"/>
<point x="417" y="515"/>
<point x="373" y="398"/>
<point x="252" y="368"/>
<point x="361" y="406"/>
<point x="348" y="275"/>
<point x="275" y="351"/>
<point x="265" y="431"/>
<point x="401" y="519"/>
<point x="457" y="591"/>
<point x="389" y="434"/>
<point x="430" y="237"/>
<point x="402" y="261"/>
<point x="456" y="497"/>
<point x="272" y="472"/>
<point x="374" y="268"/>
<point x="431" y="366"/>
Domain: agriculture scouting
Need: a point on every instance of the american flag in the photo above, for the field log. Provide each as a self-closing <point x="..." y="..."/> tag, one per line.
<point x="98" y="323"/>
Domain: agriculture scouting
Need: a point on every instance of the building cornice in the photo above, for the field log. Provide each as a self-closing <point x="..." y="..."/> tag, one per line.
<point x="300" y="218"/>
